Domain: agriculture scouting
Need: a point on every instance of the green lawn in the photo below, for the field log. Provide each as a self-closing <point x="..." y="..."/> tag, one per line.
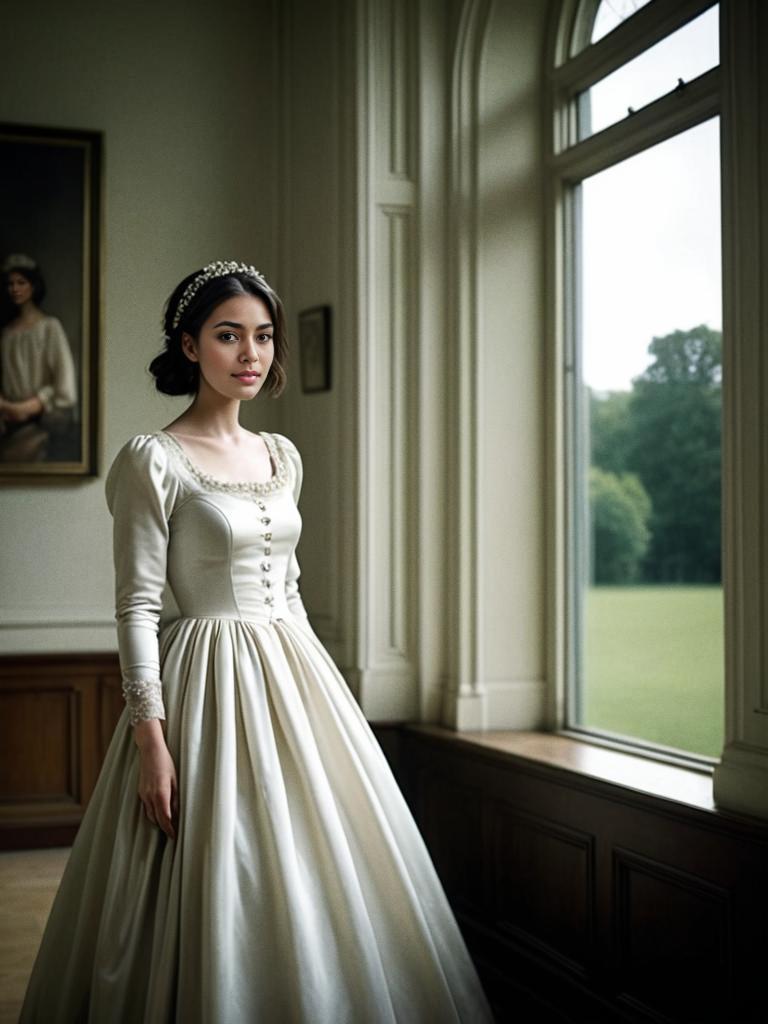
<point x="653" y="664"/>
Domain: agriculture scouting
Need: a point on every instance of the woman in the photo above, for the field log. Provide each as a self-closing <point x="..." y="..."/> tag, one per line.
<point x="270" y="869"/>
<point x="38" y="389"/>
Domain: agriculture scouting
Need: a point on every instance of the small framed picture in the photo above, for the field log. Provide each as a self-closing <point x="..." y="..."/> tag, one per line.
<point x="50" y="251"/>
<point x="315" y="348"/>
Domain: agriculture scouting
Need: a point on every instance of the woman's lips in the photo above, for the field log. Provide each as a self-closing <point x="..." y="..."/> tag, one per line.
<point x="246" y="378"/>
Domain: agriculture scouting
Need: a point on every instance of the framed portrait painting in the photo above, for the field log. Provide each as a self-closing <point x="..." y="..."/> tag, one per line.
<point x="50" y="248"/>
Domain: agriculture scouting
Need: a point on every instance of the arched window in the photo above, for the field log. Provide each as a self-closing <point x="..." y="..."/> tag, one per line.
<point x="636" y="276"/>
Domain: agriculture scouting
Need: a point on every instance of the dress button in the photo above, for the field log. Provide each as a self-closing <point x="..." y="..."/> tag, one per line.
<point x="267" y="550"/>
<point x="266" y="566"/>
<point x="267" y="583"/>
<point x="269" y="600"/>
<point x="266" y="520"/>
<point x="261" y="505"/>
<point x="267" y="536"/>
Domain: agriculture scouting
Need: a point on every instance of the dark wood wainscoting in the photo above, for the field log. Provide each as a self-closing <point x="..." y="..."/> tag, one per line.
<point x="57" y="715"/>
<point x="585" y="901"/>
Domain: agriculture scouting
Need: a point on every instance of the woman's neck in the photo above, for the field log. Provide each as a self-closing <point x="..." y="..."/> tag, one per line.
<point x="28" y="314"/>
<point x="211" y="415"/>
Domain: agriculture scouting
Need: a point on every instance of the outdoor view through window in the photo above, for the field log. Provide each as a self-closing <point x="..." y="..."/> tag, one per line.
<point x="649" y="659"/>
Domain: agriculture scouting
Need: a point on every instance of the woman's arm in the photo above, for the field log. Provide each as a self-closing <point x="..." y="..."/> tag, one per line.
<point x="61" y="391"/>
<point x="19" y="412"/>
<point x="140" y="494"/>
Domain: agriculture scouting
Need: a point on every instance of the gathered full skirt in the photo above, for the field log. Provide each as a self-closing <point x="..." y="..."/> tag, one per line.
<point x="298" y="888"/>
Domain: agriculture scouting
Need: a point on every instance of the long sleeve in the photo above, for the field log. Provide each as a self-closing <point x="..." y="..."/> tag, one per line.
<point x="140" y="490"/>
<point x="292" y="593"/>
<point x="61" y="391"/>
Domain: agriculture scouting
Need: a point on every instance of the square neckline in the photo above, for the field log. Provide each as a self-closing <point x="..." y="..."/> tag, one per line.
<point x="278" y="478"/>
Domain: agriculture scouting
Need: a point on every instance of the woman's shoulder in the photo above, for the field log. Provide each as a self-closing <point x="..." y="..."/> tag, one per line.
<point x="141" y="446"/>
<point x="290" y="452"/>
<point x="287" y="445"/>
<point x="143" y="461"/>
<point x="44" y="325"/>
<point x="293" y="457"/>
<point x="50" y="326"/>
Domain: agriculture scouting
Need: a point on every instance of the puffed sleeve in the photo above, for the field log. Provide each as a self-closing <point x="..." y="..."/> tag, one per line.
<point x="140" y="490"/>
<point x="292" y="594"/>
<point x="61" y="392"/>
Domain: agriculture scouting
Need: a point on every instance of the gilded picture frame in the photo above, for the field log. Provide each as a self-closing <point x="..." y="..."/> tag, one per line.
<point x="50" y="309"/>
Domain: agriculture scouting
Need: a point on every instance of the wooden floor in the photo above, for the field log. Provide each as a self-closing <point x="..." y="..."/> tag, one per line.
<point x="28" y="882"/>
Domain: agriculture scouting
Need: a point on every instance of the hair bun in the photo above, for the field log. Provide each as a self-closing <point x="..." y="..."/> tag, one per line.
<point x="174" y="374"/>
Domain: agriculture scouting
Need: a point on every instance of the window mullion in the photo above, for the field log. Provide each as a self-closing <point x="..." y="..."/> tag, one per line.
<point x="574" y="454"/>
<point x="660" y="120"/>
<point x="650" y="25"/>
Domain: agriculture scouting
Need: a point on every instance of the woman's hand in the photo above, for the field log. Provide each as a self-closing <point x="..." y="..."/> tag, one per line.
<point x="19" y="412"/>
<point x="158" y="789"/>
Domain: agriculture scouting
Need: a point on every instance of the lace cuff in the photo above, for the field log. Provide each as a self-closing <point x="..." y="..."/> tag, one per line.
<point x="144" y="699"/>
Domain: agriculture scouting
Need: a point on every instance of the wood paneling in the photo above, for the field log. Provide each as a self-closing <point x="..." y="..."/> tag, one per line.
<point x="526" y="852"/>
<point x="57" y="715"/>
<point x="451" y="823"/>
<point x="39" y="740"/>
<point x="582" y="900"/>
<point x="673" y="939"/>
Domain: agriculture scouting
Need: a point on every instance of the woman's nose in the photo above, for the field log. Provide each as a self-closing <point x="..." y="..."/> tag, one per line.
<point x="252" y="349"/>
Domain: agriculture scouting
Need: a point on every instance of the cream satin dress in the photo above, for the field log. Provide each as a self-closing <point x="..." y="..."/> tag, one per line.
<point x="298" y="888"/>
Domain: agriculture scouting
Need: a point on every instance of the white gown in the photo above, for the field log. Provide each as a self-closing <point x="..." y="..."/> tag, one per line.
<point x="298" y="888"/>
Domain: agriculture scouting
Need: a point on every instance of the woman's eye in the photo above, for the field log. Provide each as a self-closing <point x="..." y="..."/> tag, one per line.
<point x="265" y="337"/>
<point x="227" y="336"/>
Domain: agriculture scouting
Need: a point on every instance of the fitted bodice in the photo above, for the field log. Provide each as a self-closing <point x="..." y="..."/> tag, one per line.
<point x="231" y="545"/>
<point x="223" y="550"/>
<point x="228" y="555"/>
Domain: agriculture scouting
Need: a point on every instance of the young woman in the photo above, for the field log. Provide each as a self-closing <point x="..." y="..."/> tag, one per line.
<point x="38" y="387"/>
<point x="247" y="855"/>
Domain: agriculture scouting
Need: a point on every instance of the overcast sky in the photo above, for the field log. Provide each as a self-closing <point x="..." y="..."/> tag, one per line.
<point x="651" y="225"/>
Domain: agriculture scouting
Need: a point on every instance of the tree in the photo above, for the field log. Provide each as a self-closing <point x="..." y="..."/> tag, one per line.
<point x="674" y="447"/>
<point x="610" y="426"/>
<point x="620" y="510"/>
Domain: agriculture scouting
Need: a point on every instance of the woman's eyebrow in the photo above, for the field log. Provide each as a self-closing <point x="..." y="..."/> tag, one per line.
<point x="231" y="323"/>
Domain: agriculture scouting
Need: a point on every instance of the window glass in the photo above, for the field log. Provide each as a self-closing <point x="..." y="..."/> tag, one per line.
<point x="648" y="399"/>
<point x="684" y="54"/>
<point x="611" y="13"/>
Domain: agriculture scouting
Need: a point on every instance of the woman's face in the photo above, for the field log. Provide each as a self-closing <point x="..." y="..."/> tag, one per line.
<point x="235" y="347"/>
<point x="20" y="290"/>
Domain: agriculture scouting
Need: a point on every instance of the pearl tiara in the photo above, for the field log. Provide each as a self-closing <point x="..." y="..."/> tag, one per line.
<point x="219" y="268"/>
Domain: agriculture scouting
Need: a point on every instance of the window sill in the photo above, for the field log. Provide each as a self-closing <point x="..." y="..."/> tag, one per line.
<point x="635" y="773"/>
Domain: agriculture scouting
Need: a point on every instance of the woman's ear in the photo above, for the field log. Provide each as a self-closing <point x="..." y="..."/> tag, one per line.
<point x="188" y="346"/>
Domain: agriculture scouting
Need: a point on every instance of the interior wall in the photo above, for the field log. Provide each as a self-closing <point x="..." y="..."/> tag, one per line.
<point x="211" y="151"/>
<point x="315" y="244"/>
<point x="185" y="93"/>
<point x="510" y="358"/>
<point x="422" y="553"/>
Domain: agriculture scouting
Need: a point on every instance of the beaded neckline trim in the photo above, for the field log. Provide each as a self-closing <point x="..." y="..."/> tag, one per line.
<point x="211" y="483"/>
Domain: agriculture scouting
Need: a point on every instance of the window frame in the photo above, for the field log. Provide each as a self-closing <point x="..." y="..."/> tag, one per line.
<point x="568" y="162"/>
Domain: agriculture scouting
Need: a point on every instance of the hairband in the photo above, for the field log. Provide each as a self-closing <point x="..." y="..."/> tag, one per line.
<point x="220" y="268"/>
<point x="18" y="259"/>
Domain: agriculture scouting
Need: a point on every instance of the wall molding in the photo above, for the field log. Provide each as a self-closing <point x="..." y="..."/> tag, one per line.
<point x="741" y="779"/>
<point x="388" y="300"/>
<point x="464" y="701"/>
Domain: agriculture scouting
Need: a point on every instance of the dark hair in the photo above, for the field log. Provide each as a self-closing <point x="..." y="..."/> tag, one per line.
<point x="8" y="311"/>
<point x="174" y="372"/>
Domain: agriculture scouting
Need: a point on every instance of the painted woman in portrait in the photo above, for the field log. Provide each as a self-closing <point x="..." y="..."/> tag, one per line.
<point x="38" y="384"/>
